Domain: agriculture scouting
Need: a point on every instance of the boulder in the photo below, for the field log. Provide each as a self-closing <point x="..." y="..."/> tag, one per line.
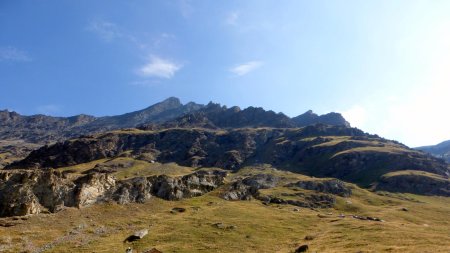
<point x="137" y="235"/>
<point x="302" y="248"/>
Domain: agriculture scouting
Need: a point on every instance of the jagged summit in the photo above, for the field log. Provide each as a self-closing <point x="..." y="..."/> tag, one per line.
<point x="169" y="112"/>
<point x="310" y="117"/>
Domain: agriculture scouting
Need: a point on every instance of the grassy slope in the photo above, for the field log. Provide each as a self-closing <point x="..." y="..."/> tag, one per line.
<point x="259" y="228"/>
<point x="135" y="168"/>
<point x="414" y="173"/>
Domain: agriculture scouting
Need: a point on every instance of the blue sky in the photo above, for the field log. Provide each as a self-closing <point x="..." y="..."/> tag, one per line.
<point x="384" y="64"/>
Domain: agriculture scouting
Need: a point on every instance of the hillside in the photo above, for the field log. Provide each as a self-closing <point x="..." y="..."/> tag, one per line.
<point x="345" y="218"/>
<point x="441" y="150"/>
<point x="319" y="150"/>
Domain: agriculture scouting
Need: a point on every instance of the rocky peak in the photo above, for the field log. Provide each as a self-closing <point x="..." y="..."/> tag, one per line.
<point x="309" y="118"/>
<point x="171" y="102"/>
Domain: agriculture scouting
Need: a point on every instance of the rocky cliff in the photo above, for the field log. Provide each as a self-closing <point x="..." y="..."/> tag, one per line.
<point x="34" y="191"/>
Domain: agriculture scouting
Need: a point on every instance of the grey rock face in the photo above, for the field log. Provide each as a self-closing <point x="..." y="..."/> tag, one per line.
<point x="248" y="188"/>
<point x="332" y="186"/>
<point x="245" y="189"/>
<point x="414" y="183"/>
<point x="34" y="191"/>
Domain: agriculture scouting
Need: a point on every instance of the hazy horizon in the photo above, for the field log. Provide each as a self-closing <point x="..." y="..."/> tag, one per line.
<point x="382" y="64"/>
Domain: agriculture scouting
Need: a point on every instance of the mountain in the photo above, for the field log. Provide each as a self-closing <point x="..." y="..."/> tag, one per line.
<point x="38" y="130"/>
<point x="441" y="150"/>
<point x="46" y="129"/>
<point x="309" y="118"/>
<point x="43" y="129"/>
<point x="217" y="116"/>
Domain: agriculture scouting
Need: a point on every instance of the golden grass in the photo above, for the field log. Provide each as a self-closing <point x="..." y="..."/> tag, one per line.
<point x="258" y="228"/>
<point x="82" y="167"/>
<point x="414" y="173"/>
<point x="385" y="149"/>
<point x="143" y="168"/>
<point x="138" y="168"/>
<point x="247" y="226"/>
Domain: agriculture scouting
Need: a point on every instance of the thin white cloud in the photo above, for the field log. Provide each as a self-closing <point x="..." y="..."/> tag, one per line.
<point x="160" y="68"/>
<point x="232" y="18"/>
<point x="245" y="68"/>
<point x="14" y="54"/>
<point x="186" y="8"/>
<point x="146" y="83"/>
<point x="106" y="30"/>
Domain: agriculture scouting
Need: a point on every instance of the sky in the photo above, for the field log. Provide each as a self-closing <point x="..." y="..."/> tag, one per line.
<point x="385" y="65"/>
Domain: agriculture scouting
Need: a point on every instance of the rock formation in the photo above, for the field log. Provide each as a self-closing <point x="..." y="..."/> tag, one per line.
<point x="25" y="192"/>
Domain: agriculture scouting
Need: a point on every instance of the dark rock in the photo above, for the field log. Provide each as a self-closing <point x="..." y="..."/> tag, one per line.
<point x="178" y="210"/>
<point x="302" y="248"/>
<point x="137" y="235"/>
<point x="415" y="182"/>
<point x="332" y="186"/>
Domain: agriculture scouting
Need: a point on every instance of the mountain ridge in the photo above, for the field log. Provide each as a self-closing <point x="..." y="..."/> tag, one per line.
<point x="41" y="128"/>
<point x="441" y="150"/>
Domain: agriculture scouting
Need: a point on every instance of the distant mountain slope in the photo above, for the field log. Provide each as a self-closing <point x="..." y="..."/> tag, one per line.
<point x="46" y="129"/>
<point x="441" y="150"/>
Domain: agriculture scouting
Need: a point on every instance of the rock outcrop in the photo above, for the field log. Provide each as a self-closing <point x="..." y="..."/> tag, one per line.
<point x="249" y="188"/>
<point x="26" y="192"/>
<point x="333" y="186"/>
<point x="415" y="182"/>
